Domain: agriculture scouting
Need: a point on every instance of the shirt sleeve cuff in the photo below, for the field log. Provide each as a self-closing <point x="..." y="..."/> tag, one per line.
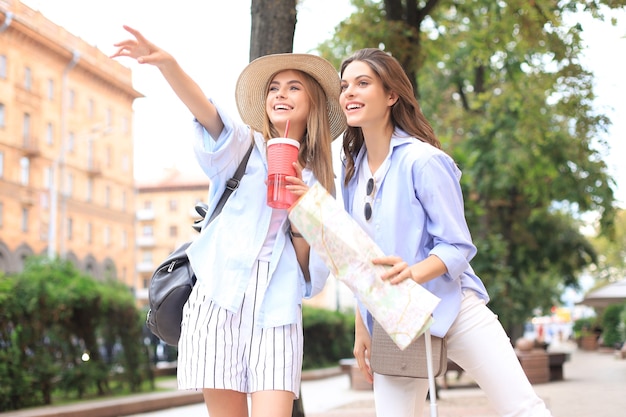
<point x="455" y="262"/>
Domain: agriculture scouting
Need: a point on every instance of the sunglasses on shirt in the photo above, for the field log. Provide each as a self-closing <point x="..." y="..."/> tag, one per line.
<point x="367" y="211"/>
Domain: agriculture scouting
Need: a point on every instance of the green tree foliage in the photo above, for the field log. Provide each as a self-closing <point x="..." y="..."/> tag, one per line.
<point x="611" y="265"/>
<point x="505" y="91"/>
<point x="55" y="325"/>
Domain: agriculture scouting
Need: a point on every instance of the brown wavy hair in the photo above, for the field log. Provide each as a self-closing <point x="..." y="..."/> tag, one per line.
<point x="315" y="150"/>
<point x="405" y="113"/>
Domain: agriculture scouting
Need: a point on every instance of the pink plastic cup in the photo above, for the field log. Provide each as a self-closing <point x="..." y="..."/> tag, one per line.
<point x="281" y="153"/>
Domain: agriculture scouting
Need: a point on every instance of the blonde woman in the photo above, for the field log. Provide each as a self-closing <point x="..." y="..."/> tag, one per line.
<point x="241" y="332"/>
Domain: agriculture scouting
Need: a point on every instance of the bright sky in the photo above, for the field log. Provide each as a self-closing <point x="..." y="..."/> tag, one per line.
<point x="210" y="39"/>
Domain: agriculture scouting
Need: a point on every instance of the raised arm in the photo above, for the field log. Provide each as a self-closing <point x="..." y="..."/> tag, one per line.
<point x="185" y="88"/>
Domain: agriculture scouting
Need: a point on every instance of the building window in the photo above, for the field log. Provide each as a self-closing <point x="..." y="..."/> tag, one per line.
<point x="147" y="257"/>
<point x="1" y="164"/>
<point x="24" y="170"/>
<point x="124" y="124"/>
<point x="109" y="118"/>
<point x="70" y="185"/>
<point x="125" y="163"/>
<point x="26" y="129"/>
<point x="90" y="108"/>
<point x="123" y="200"/>
<point x="108" y="157"/>
<point x="3" y="66"/>
<point x="173" y="205"/>
<point x="1" y="214"/>
<point x="47" y="178"/>
<point x="147" y="230"/>
<point x="24" y="220"/>
<point x="124" y="239"/>
<point x="50" y="89"/>
<point x="107" y="196"/>
<point x="147" y="205"/>
<point x="89" y="189"/>
<point x="70" y="228"/>
<point x="71" y="140"/>
<point x="50" y="134"/>
<point x="2" y="116"/>
<point x="89" y="233"/>
<point x="28" y="79"/>
<point x="72" y="99"/>
<point x="173" y="231"/>
<point x="107" y="235"/>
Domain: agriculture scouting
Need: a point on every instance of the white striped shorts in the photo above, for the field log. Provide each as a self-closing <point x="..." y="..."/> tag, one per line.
<point x="224" y="350"/>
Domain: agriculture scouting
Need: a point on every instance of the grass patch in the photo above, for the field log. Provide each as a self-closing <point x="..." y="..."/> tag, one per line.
<point x="116" y="390"/>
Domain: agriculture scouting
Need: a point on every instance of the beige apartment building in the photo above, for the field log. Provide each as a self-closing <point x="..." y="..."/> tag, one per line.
<point x="67" y="187"/>
<point x="66" y="149"/>
<point x="165" y="216"/>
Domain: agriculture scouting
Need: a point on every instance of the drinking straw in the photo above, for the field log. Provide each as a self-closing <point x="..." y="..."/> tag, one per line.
<point x="286" y="128"/>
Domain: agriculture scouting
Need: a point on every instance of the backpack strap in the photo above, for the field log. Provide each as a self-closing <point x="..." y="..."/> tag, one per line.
<point x="231" y="185"/>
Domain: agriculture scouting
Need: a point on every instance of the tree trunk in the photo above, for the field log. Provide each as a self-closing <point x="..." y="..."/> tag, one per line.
<point x="273" y="27"/>
<point x="272" y="31"/>
<point x="412" y="15"/>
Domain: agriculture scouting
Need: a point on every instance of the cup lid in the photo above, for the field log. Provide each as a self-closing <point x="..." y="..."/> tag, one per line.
<point x="287" y="141"/>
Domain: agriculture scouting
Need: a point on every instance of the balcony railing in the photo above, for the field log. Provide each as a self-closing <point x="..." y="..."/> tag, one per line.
<point x="145" y="266"/>
<point x="145" y="214"/>
<point x="93" y="168"/>
<point x="146" y="241"/>
<point x="30" y="146"/>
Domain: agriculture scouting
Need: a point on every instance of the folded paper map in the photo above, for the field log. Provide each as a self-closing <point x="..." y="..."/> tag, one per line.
<point x="403" y="310"/>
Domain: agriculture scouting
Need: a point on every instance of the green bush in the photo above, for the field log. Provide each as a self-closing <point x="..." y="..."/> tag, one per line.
<point x="54" y="327"/>
<point x="328" y="337"/>
<point x="621" y="327"/>
<point x="612" y="325"/>
<point x="65" y="336"/>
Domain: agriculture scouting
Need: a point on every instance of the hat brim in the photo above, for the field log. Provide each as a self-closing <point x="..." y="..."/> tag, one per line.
<point x="251" y="88"/>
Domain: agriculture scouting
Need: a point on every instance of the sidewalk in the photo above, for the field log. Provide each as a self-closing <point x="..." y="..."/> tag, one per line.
<point x="594" y="385"/>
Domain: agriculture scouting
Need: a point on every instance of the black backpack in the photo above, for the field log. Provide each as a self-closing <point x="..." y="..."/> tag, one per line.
<point x="170" y="287"/>
<point x="174" y="279"/>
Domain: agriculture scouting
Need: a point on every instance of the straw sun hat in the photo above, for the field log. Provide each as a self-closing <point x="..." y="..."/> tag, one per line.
<point x="251" y="89"/>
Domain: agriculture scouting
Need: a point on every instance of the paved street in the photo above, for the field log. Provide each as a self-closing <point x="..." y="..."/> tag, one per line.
<point x="594" y="385"/>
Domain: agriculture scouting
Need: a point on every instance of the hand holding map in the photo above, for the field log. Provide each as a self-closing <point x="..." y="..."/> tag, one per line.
<point x="403" y="310"/>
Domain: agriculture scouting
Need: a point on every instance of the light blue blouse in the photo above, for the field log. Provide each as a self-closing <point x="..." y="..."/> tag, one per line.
<point x="223" y="255"/>
<point x="418" y="211"/>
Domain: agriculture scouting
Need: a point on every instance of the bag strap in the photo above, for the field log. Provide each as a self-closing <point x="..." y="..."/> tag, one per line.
<point x="233" y="183"/>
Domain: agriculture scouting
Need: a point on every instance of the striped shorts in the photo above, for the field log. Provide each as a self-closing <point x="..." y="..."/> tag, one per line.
<point x="224" y="350"/>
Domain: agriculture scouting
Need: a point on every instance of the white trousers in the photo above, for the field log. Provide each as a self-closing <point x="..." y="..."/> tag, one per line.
<point x="477" y="342"/>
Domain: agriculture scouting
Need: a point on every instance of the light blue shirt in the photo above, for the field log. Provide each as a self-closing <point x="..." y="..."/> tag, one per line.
<point x="224" y="254"/>
<point x="417" y="212"/>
